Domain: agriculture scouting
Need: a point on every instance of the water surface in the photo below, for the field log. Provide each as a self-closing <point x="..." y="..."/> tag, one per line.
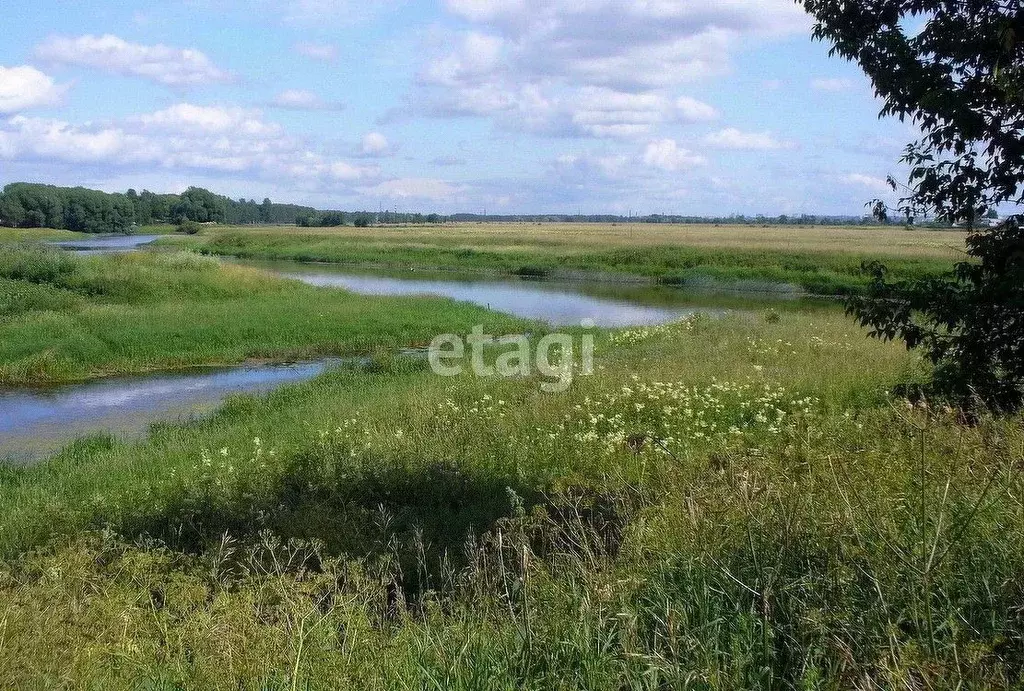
<point x="37" y="423"/>
<point x="559" y="303"/>
<point x="106" y="244"/>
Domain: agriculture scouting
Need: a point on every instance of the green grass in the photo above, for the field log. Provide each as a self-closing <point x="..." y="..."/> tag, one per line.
<point x="38" y="234"/>
<point x="728" y="503"/>
<point x="65" y="318"/>
<point x="808" y="258"/>
<point x="393" y="529"/>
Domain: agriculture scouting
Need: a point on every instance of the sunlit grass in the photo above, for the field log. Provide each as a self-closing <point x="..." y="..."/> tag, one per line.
<point x="65" y="318"/>
<point x="819" y="259"/>
<point x="726" y="503"/>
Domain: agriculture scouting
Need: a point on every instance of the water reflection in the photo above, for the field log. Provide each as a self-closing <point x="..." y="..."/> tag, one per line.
<point x="36" y="423"/>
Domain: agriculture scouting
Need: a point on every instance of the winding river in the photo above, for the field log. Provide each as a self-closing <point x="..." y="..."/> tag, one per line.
<point x="35" y="423"/>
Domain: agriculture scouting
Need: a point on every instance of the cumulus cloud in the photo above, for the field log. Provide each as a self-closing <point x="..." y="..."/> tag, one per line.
<point x="732" y="138"/>
<point x="186" y="118"/>
<point x="324" y="52"/>
<point x="26" y="87"/>
<point x="667" y="155"/>
<point x="182" y="137"/>
<point x="303" y="99"/>
<point x="692" y="110"/>
<point x="543" y="65"/>
<point x="174" y="67"/>
<point x="831" y="84"/>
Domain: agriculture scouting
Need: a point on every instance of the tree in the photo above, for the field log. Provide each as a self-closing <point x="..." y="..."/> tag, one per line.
<point x="955" y="68"/>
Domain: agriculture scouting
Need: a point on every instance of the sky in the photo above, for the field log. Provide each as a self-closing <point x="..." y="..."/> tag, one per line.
<point x="702" y="107"/>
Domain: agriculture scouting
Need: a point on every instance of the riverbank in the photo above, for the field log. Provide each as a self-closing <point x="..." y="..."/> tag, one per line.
<point x="728" y="503"/>
<point x="820" y="261"/>
<point x="66" y="318"/>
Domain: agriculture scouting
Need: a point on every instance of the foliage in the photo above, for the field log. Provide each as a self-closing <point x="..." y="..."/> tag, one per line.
<point x="189" y="227"/>
<point x="970" y="327"/>
<point x="956" y="70"/>
<point x="25" y="205"/>
<point x="321" y="219"/>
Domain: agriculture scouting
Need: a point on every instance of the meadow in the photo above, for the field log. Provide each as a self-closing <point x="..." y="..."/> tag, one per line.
<point x="821" y="260"/>
<point x="733" y="502"/>
<point x="67" y="318"/>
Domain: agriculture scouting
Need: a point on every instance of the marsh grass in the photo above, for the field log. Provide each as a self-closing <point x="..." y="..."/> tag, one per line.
<point x="66" y="318"/>
<point x="824" y="261"/>
<point x="392" y="529"/>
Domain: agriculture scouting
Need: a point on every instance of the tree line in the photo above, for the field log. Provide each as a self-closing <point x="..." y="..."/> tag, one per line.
<point x="29" y="205"/>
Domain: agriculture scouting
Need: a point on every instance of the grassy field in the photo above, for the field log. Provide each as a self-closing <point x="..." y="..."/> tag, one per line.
<point x="65" y="318"/>
<point x="738" y="502"/>
<point x="821" y="260"/>
<point x="726" y="504"/>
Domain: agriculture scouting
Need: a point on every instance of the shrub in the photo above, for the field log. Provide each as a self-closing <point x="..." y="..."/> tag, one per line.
<point x="189" y="227"/>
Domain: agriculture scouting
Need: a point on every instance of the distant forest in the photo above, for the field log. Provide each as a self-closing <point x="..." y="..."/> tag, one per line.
<point x="29" y="205"/>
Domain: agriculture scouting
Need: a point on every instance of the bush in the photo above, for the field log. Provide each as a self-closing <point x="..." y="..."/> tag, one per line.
<point x="362" y="222"/>
<point x="189" y="227"/>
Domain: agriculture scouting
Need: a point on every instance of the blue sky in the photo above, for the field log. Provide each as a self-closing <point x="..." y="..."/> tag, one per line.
<point x="513" y="106"/>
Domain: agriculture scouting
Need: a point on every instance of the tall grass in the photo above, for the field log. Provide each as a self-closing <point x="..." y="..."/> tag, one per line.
<point x="823" y="267"/>
<point x="728" y="504"/>
<point x="65" y="318"/>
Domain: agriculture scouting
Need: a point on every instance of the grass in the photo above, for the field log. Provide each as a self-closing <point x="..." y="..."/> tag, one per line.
<point x="727" y="504"/>
<point x="820" y="260"/>
<point x="66" y="318"/>
<point x="38" y="234"/>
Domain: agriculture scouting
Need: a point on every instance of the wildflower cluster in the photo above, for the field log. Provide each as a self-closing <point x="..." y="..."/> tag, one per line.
<point x="350" y="437"/>
<point x="486" y="408"/>
<point x="764" y="347"/>
<point x="680" y="416"/>
<point x="646" y="333"/>
<point x="820" y="343"/>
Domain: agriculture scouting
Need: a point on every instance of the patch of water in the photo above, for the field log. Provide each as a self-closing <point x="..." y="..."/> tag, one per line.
<point x="36" y="423"/>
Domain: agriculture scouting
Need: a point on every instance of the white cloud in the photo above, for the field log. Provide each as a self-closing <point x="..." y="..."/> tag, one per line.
<point x="189" y="118"/>
<point x="374" y="144"/>
<point x="868" y="181"/>
<point x="667" y="155"/>
<point x="692" y="110"/>
<point x="174" y="67"/>
<point x="732" y="138"/>
<point x="324" y="52"/>
<point x="534" y="64"/>
<point x="415" y="188"/>
<point x="475" y="57"/>
<point x="831" y="84"/>
<point x="182" y="137"/>
<point x="303" y="99"/>
<point x="26" y="87"/>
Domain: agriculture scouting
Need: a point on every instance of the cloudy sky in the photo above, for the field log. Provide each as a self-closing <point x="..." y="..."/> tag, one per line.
<point x="513" y="106"/>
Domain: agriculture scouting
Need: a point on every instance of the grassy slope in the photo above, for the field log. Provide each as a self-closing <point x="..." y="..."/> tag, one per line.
<point x="64" y="317"/>
<point x="808" y="550"/>
<point x="822" y="260"/>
